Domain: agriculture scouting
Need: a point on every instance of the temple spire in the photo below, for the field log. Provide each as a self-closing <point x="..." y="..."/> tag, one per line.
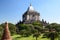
<point x="30" y="4"/>
<point x="6" y="33"/>
<point x="30" y="8"/>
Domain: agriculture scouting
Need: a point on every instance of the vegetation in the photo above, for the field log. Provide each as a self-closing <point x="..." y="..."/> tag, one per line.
<point x="36" y="35"/>
<point x="18" y="37"/>
<point x="1" y="31"/>
<point x="33" y="31"/>
<point x="29" y="29"/>
<point x="53" y="31"/>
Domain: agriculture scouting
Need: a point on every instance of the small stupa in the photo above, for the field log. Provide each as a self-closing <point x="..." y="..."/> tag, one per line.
<point x="6" y="33"/>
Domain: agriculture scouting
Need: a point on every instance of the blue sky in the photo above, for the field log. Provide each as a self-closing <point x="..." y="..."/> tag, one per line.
<point x="12" y="10"/>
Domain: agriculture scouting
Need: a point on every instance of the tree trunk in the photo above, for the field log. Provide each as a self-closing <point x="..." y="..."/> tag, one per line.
<point x="36" y="38"/>
<point x="52" y="38"/>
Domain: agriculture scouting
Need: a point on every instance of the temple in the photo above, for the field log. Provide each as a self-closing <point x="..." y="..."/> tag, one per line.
<point x="30" y="16"/>
<point x="6" y="33"/>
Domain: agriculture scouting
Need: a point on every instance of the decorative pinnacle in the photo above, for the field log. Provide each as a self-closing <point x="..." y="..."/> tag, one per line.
<point x="30" y="8"/>
<point x="30" y="4"/>
<point x="6" y="23"/>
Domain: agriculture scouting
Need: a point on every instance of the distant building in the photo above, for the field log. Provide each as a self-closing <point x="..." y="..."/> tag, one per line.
<point x="31" y="15"/>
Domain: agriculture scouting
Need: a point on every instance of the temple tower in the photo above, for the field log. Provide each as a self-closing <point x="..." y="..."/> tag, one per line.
<point x="6" y="33"/>
<point x="31" y="15"/>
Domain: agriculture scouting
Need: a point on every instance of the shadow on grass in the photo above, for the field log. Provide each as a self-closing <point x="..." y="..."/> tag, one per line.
<point x="16" y="38"/>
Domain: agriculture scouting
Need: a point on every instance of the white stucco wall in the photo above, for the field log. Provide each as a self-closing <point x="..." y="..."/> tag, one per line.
<point x="27" y="17"/>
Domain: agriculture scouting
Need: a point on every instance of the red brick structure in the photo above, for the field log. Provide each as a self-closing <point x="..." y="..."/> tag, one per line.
<point x="6" y="33"/>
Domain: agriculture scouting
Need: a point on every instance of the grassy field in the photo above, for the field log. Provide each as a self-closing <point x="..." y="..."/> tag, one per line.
<point x="18" y="37"/>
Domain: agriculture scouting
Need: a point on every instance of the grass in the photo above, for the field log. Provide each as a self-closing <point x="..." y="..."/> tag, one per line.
<point x="18" y="37"/>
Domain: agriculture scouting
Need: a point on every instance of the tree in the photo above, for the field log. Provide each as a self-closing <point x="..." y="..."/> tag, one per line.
<point x="53" y="30"/>
<point x="25" y="33"/>
<point x="25" y="29"/>
<point x="51" y="35"/>
<point x="54" y="26"/>
<point x="38" y="26"/>
<point x="1" y="31"/>
<point x="29" y="28"/>
<point x="36" y="34"/>
<point x="12" y="28"/>
<point x="37" y="23"/>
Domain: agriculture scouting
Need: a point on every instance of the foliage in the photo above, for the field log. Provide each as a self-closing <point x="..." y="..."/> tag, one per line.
<point x="18" y="37"/>
<point x="29" y="28"/>
<point x="12" y="28"/>
<point x="54" y="29"/>
<point x="51" y="35"/>
<point x="36" y="34"/>
<point x="25" y="33"/>
<point x="25" y="29"/>
<point x="54" y="26"/>
<point x="1" y="31"/>
<point x="37" y="24"/>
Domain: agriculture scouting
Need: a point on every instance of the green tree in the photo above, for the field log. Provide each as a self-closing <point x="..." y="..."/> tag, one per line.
<point x="36" y="34"/>
<point x="37" y="23"/>
<point x="53" y="30"/>
<point x="25" y="29"/>
<point x="54" y="26"/>
<point x="25" y="33"/>
<point x="12" y="28"/>
<point x="1" y="31"/>
<point x="51" y="35"/>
